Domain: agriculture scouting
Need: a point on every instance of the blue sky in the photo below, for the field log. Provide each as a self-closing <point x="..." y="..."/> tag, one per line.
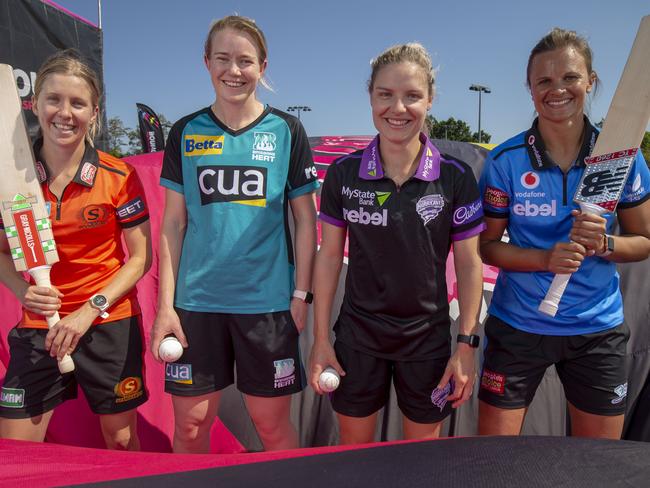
<point x="319" y="53"/>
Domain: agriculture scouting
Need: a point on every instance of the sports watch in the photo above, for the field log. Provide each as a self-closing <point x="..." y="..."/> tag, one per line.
<point x="609" y="245"/>
<point x="471" y="340"/>
<point x="305" y="296"/>
<point x="99" y="302"/>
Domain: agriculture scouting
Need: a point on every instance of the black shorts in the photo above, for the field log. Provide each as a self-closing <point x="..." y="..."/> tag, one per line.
<point x="366" y="386"/>
<point x="263" y="347"/>
<point x="108" y="368"/>
<point x="590" y="366"/>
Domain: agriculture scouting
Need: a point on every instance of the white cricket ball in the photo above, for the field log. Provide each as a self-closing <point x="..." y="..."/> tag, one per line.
<point x="170" y="349"/>
<point x="329" y="380"/>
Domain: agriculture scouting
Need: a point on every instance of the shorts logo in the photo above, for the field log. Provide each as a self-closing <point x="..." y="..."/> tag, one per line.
<point x="264" y="146"/>
<point x="496" y="198"/>
<point x="621" y="393"/>
<point x="429" y="207"/>
<point x="12" y="397"/>
<point x="439" y="395"/>
<point x="178" y="373"/>
<point x="196" y="145"/>
<point x="93" y="216"/>
<point x="494" y="382"/>
<point x="88" y="172"/>
<point x="128" y="389"/>
<point x="530" y="180"/>
<point x="245" y="185"/>
<point x="467" y="213"/>
<point x="285" y="373"/>
<point x="131" y="209"/>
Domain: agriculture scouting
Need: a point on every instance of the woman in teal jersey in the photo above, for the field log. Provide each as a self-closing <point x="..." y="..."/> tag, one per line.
<point x="227" y="288"/>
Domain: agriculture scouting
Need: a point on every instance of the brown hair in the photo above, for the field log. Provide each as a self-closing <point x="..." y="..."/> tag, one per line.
<point x="70" y="62"/>
<point x="245" y="25"/>
<point x="560" y="39"/>
<point x="412" y="52"/>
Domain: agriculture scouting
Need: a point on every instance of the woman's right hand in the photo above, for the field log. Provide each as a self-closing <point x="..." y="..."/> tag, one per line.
<point x="41" y="300"/>
<point x="322" y="355"/>
<point x="565" y="257"/>
<point x="166" y="322"/>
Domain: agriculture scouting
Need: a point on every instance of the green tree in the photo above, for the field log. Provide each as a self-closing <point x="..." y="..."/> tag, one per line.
<point x="645" y="147"/>
<point x="117" y="133"/>
<point x="454" y="130"/>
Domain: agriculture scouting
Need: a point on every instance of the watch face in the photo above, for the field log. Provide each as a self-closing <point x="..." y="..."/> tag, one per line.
<point x="99" y="301"/>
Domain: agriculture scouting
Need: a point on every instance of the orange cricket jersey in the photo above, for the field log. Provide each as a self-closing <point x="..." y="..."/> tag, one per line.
<point x="104" y="197"/>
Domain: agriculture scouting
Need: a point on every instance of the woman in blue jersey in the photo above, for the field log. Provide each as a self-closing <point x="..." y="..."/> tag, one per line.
<point x="402" y="204"/>
<point x="528" y="184"/>
<point x="227" y="288"/>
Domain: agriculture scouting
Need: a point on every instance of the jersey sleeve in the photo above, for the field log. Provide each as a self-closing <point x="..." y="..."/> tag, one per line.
<point x="131" y="208"/>
<point x="331" y="204"/>
<point x="637" y="187"/>
<point x="494" y="190"/>
<point x="467" y="218"/>
<point x="172" y="169"/>
<point x="302" y="177"/>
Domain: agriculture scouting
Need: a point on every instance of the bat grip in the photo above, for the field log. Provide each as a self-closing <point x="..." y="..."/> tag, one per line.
<point x="41" y="275"/>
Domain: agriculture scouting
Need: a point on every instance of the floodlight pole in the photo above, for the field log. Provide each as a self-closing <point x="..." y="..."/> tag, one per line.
<point x="480" y="89"/>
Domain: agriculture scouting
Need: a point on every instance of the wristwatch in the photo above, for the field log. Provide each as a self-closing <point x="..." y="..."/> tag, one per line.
<point x="471" y="340"/>
<point x="305" y="296"/>
<point x="609" y="245"/>
<point x="99" y="302"/>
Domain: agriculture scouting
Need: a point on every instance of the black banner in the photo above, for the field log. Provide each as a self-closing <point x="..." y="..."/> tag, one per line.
<point x="32" y="30"/>
<point x="151" y="133"/>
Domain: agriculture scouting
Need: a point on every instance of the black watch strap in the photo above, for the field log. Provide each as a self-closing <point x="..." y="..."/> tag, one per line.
<point x="471" y="340"/>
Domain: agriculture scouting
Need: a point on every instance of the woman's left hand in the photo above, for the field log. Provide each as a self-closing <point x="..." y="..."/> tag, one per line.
<point x="461" y="368"/>
<point x="299" y="310"/>
<point x="64" y="336"/>
<point x="588" y="229"/>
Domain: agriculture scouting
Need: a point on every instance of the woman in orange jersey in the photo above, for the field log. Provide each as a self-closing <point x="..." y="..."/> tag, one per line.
<point x="94" y="200"/>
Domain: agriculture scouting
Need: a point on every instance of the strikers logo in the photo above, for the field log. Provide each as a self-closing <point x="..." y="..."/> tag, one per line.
<point x="93" y="216"/>
<point x="530" y="180"/>
<point x="245" y="185"/>
<point x="128" y="389"/>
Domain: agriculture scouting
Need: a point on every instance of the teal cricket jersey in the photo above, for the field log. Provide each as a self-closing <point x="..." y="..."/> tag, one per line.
<point x="237" y="255"/>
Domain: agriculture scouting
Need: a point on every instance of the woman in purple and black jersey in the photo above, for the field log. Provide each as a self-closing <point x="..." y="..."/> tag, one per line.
<point x="528" y="184"/>
<point x="402" y="204"/>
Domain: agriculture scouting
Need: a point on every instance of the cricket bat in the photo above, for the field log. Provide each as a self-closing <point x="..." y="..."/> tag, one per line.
<point x="24" y="214"/>
<point x="609" y="165"/>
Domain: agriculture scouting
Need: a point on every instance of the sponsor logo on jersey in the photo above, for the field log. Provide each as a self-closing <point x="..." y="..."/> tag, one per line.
<point x="621" y="393"/>
<point x="285" y="373"/>
<point x="131" y="209"/>
<point x="310" y="172"/>
<point x="428" y="163"/>
<point x="12" y="397"/>
<point x="530" y="194"/>
<point x="128" y="389"/>
<point x="429" y="207"/>
<point x="264" y="146"/>
<point x="467" y="213"/>
<point x="198" y="145"/>
<point x="40" y="171"/>
<point x="88" y="172"/>
<point x="93" y="216"/>
<point x="178" y="373"/>
<point x="494" y="382"/>
<point x="529" y="209"/>
<point x="245" y="185"/>
<point x="538" y="156"/>
<point x="636" y="191"/>
<point x="439" y="395"/>
<point x="372" y="161"/>
<point x="366" y="218"/>
<point x="496" y="198"/>
<point x="365" y="197"/>
<point x="530" y="180"/>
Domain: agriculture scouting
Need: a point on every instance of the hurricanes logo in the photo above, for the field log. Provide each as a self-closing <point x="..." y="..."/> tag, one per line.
<point x="128" y="389"/>
<point x="245" y="185"/>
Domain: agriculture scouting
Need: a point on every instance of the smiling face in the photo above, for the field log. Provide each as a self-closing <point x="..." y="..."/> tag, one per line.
<point x="400" y="100"/>
<point x="559" y="83"/>
<point x="234" y="66"/>
<point x="65" y="109"/>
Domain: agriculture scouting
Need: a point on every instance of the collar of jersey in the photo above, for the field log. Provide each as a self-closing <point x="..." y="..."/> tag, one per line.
<point x="428" y="168"/>
<point x="86" y="171"/>
<point x="235" y="133"/>
<point x="539" y="158"/>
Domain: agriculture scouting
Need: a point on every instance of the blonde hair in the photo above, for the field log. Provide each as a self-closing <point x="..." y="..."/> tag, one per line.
<point x="413" y="52"/>
<point x="247" y="26"/>
<point x="70" y="62"/>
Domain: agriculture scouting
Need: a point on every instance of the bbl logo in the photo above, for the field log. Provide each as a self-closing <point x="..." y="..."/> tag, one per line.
<point x="264" y="146"/>
<point x="245" y="185"/>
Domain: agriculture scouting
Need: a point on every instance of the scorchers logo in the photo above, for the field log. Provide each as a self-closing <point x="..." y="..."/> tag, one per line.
<point x="245" y="185"/>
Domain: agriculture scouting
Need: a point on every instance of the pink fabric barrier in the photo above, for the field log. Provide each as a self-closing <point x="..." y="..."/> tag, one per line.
<point x="73" y="423"/>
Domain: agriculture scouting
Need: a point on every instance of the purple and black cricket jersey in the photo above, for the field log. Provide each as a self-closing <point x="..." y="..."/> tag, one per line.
<point x="395" y="303"/>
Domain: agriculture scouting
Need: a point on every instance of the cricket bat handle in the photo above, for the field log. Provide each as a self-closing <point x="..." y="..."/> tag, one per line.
<point x="41" y="275"/>
<point x="552" y="299"/>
